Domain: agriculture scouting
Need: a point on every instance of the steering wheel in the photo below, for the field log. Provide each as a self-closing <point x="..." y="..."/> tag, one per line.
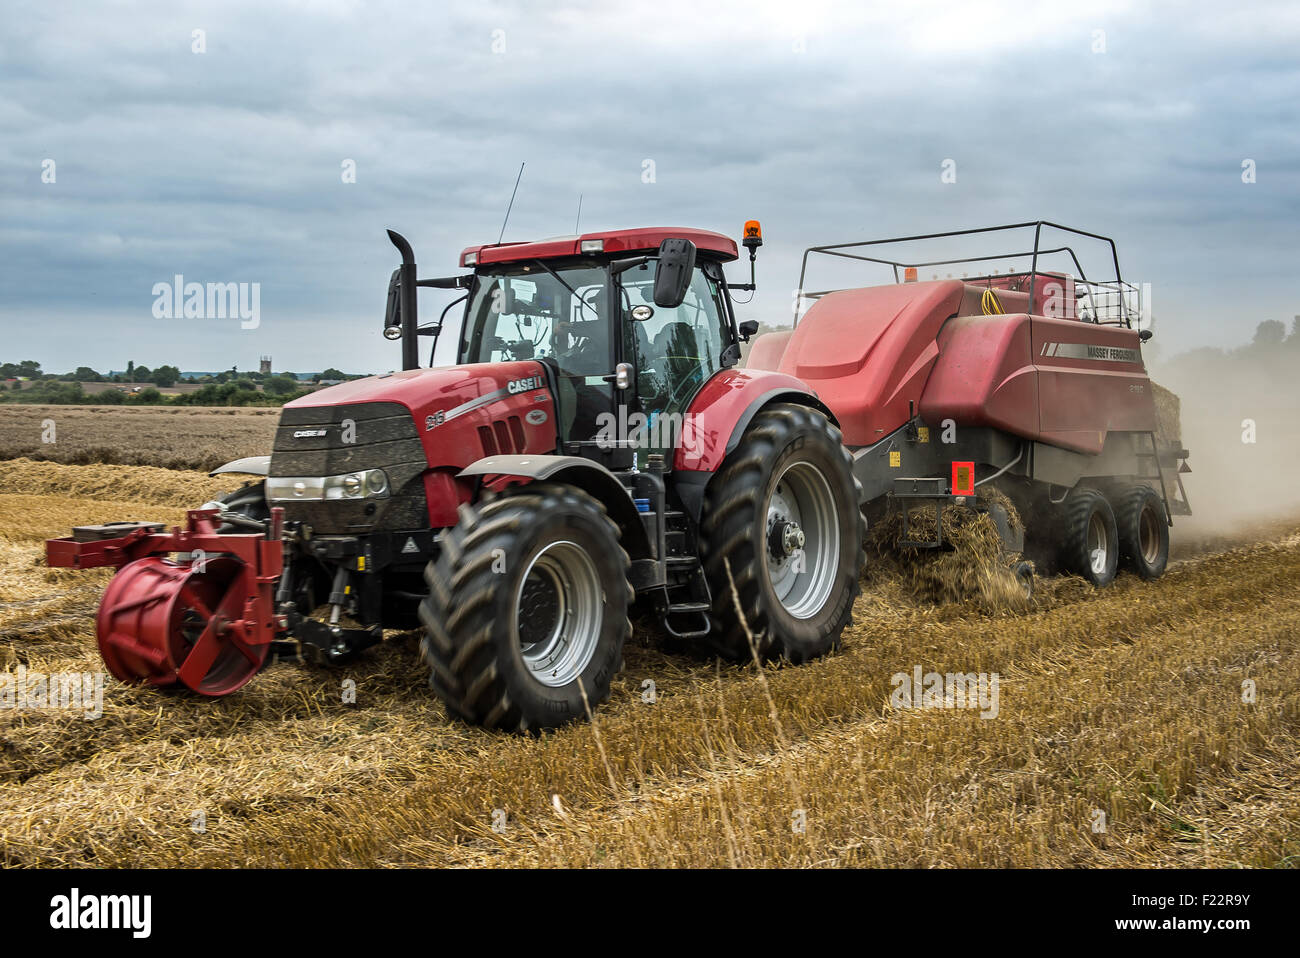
<point x="695" y="377"/>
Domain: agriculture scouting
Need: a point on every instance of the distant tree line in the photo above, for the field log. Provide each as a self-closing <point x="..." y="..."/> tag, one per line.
<point x="227" y="388"/>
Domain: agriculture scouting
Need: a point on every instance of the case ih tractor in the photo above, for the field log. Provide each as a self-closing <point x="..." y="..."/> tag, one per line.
<point x="597" y="443"/>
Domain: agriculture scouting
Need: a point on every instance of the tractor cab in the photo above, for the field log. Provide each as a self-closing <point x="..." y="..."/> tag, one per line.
<point x="630" y="325"/>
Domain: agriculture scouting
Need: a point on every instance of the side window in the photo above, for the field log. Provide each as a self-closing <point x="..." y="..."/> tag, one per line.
<point x="676" y="350"/>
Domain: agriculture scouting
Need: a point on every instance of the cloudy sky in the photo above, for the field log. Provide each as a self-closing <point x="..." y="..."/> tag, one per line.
<point x="829" y="123"/>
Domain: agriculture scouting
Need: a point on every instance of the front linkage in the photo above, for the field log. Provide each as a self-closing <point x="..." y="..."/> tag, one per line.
<point x="205" y="619"/>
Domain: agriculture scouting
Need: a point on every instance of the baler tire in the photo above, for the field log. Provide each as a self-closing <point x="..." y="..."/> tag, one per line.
<point x="1088" y="519"/>
<point x="559" y="541"/>
<point x="1143" y="532"/>
<point x="1024" y="573"/>
<point x="734" y="532"/>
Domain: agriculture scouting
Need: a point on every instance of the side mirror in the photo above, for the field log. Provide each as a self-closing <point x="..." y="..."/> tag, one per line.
<point x="673" y="274"/>
<point x="748" y="328"/>
<point x="393" y="309"/>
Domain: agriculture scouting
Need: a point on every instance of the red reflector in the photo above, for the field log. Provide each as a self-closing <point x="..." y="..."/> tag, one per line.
<point x="963" y="478"/>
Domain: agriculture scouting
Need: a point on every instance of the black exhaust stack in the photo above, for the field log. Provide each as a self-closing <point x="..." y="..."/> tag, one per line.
<point x="409" y="318"/>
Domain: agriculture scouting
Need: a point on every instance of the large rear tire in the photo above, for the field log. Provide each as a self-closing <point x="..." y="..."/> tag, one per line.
<point x="1090" y="538"/>
<point x="527" y="609"/>
<point x="783" y="513"/>
<point x="1143" y="532"/>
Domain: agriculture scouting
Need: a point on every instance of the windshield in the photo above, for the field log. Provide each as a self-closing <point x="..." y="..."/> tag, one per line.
<point x="531" y="311"/>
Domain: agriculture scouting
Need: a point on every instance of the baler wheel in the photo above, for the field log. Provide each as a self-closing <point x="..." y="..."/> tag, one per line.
<point x="526" y="615"/>
<point x="1090" y="537"/>
<point x="1024" y="573"/>
<point x="783" y="512"/>
<point x="167" y="623"/>
<point x="1143" y="532"/>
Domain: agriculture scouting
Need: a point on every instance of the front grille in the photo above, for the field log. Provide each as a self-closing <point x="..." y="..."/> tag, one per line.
<point x="332" y="440"/>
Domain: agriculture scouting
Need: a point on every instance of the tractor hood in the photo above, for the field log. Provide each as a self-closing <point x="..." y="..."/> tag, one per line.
<point x="420" y="427"/>
<point x="461" y="413"/>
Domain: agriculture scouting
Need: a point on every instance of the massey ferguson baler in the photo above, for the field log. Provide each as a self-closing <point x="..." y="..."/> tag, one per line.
<point x="597" y="443"/>
<point x="1029" y="380"/>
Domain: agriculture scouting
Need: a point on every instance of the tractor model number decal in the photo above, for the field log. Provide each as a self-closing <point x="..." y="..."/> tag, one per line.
<point x="434" y="420"/>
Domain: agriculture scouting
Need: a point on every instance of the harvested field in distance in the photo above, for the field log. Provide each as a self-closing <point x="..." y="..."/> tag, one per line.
<point x="1127" y="700"/>
<point x="174" y="437"/>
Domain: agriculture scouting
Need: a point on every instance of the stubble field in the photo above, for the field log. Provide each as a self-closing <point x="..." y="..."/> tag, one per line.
<point x="1121" y="739"/>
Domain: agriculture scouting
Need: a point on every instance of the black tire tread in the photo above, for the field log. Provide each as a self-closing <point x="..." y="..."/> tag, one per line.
<point x="458" y="614"/>
<point x="1128" y="508"/>
<point x="726" y="537"/>
<point x="1074" y="533"/>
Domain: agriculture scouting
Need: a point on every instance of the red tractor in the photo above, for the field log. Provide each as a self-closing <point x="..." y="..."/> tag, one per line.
<point x="597" y="443"/>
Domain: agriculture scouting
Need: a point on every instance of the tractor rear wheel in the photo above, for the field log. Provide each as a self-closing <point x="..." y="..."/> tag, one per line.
<point x="1143" y="532"/>
<point x="527" y="609"/>
<point x="1091" y="540"/>
<point x="782" y="514"/>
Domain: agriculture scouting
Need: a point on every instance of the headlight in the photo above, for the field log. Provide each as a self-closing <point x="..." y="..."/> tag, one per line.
<point x="363" y="484"/>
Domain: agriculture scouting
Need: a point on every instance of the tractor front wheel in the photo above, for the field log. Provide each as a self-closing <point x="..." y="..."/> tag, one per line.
<point x="527" y="609"/>
<point x="782" y="521"/>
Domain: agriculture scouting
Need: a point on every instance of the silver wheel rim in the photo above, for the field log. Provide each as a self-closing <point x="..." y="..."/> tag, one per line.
<point x="558" y="613"/>
<point x="1148" y="535"/>
<point x="1098" y="544"/>
<point x="802" y="540"/>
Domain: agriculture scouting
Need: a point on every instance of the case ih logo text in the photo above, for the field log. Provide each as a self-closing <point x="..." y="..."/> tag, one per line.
<point x="76" y="911"/>
<point x="523" y="385"/>
<point x="181" y="300"/>
<point x="308" y="433"/>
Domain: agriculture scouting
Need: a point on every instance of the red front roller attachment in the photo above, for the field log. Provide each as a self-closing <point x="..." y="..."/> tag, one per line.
<point x="205" y="621"/>
<point x="163" y="622"/>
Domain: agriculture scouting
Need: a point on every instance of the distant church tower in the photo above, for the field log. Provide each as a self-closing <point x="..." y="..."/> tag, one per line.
<point x="265" y="366"/>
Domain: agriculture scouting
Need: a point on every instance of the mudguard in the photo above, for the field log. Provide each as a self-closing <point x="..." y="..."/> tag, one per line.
<point x="585" y="474"/>
<point x="249" y="466"/>
<point x="720" y="412"/>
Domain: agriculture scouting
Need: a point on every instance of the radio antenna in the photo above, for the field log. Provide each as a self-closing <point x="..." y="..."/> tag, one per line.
<point x="578" y="219"/>
<point x="512" y="204"/>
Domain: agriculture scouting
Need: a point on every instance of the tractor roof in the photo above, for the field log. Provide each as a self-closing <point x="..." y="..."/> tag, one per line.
<point x="641" y="240"/>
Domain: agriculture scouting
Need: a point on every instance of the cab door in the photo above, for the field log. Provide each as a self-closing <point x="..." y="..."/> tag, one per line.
<point x="673" y="352"/>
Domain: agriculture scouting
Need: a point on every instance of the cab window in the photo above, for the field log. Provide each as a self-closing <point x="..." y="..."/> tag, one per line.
<point x="676" y="350"/>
